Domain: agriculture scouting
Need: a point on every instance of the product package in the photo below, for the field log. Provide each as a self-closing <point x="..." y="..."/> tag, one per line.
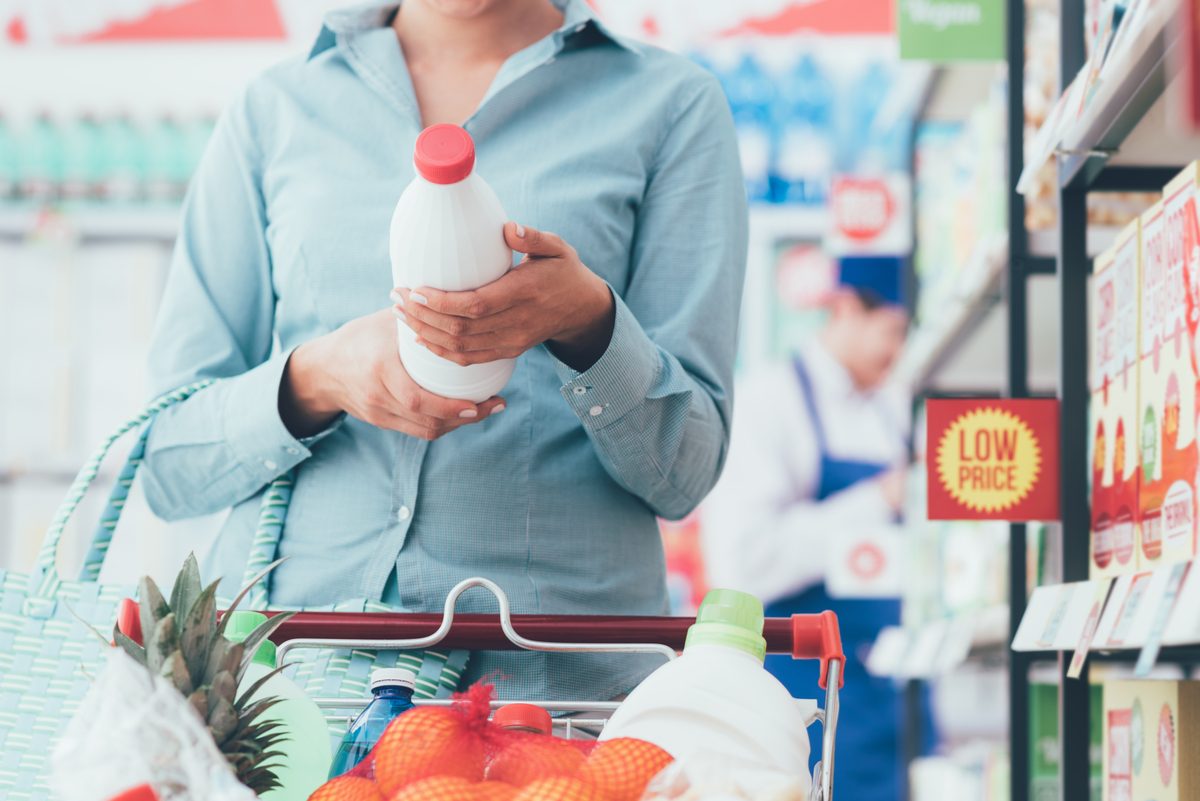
<point x="1045" y="773"/>
<point x="1167" y="375"/>
<point x="1114" y="406"/>
<point x="1151" y="740"/>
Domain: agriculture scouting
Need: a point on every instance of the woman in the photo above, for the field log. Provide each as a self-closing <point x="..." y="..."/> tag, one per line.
<point x="624" y="320"/>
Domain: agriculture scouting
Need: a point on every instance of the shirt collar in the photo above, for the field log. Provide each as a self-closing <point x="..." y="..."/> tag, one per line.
<point x="577" y="15"/>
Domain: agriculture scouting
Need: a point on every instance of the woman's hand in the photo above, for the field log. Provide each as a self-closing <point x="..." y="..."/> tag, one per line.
<point x="549" y="297"/>
<point x="356" y="369"/>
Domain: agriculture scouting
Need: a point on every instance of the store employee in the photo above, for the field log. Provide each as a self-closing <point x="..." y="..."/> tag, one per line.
<point x="818" y="450"/>
<point x="624" y="320"/>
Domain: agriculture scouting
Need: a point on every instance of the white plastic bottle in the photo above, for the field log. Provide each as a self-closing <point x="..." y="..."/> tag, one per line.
<point x="305" y="765"/>
<point x="448" y="233"/>
<point x="717" y="698"/>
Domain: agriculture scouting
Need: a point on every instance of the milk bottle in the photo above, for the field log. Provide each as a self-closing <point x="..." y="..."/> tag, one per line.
<point x="448" y="233"/>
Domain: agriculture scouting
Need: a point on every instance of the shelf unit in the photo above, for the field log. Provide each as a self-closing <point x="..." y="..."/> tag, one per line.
<point x="91" y="222"/>
<point x="1090" y="161"/>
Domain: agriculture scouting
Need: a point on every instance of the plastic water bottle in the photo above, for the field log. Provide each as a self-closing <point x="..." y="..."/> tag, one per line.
<point x="303" y="767"/>
<point x="392" y="689"/>
<point x="717" y="698"/>
<point x="805" y="158"/>
<point x="448" y="233"/>
<point x="751" y="97"/>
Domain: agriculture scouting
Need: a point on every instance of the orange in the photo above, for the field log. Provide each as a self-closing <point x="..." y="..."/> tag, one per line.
<point x="528" y="760"/>
<point x="428" y="741"/>
<point x="347" y="788"/>
<point x="494" y="791"/>
<point x="622" y="768"/>
<point x="559" y="788"/>
<point x="438" y="788"/>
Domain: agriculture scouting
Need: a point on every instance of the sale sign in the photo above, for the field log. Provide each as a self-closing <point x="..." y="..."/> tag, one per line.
<point x="992" y="459"/>
<point x="870" y="214"/>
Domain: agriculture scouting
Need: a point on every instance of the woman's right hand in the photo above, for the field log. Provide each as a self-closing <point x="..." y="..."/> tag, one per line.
<point x="357" y="370"/>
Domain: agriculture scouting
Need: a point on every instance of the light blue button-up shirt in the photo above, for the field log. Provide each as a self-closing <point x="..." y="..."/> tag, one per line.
<point x="624" y="150"/>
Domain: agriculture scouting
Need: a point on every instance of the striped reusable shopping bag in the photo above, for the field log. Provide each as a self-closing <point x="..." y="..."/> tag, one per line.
<point x="48" y="653"/>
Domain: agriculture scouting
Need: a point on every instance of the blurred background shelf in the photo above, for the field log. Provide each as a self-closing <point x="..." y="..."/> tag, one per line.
<point x="91" y="223"/>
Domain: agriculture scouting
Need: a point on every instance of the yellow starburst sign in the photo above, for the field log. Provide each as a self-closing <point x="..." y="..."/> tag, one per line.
<point x="989" y="460"/>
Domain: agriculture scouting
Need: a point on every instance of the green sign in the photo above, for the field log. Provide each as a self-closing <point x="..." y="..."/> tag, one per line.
<point x="951" y="30"/>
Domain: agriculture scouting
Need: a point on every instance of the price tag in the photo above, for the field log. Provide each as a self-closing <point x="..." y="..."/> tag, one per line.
<point x="887" y="654"/>
<point x="1112" y="610"/>
<point x="1125" y="629"/>
<point x="1162" y="614"/>
<point x="1089" y="628"/>
<point x="1184" y="626"/>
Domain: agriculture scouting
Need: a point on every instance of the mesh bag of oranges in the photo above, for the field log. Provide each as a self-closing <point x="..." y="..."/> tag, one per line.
<point x="456" y="753"/>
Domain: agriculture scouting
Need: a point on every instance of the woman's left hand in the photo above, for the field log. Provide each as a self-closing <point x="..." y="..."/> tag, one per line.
<point x="551" y="297"/>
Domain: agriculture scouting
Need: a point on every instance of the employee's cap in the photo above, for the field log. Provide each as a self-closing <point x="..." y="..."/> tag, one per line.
<point x="880" y="277"/>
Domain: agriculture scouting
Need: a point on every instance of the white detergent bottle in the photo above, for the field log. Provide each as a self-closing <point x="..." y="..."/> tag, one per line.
<point x="448" y="233"/>
<point x="305" y="764"/>
<point x="717" y="698"/>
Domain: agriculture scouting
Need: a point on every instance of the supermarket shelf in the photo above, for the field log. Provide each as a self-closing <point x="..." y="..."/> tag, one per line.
<point x="1127" y="92"/>
<point x="932" y="344"/>
<point x="940" y="646"/>
<point x="770" y="222"/>
<point x="96" y="223"/>
<point x="1044" y="244"/>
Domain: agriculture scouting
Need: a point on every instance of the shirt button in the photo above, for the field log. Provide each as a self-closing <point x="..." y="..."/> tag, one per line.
<point x="403" y="514"/>
<point x="270" y="465"/>
<point x="580" y="390"/>
<point x="596" y="411"/>
<point x="293" y="451"/>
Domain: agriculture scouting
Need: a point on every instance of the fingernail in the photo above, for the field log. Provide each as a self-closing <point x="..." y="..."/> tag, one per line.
<point x="399" y="314"/>
<point x="396" y="297"/>
<point x="499" y="409"/>
<point x="520" y="231"/>
<point x="468" y="413"/>
<point x="419" y="298"/>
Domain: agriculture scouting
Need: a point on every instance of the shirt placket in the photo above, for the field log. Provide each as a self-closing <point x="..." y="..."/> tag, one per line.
<point x="410" y="456"/>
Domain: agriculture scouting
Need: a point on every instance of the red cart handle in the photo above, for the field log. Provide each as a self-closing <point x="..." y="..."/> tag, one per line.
<point x="802" y="636"/>
<point x="819" y="637"/>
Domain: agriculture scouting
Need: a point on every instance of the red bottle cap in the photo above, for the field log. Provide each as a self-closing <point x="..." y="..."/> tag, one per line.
<point x="445" y="154"/>
<point x="129" y="620"/>
<point x="523" y="717"/>
<point x="143" y="792"/>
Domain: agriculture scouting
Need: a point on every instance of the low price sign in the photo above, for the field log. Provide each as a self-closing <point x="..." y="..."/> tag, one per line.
<point x="992" y="459"/>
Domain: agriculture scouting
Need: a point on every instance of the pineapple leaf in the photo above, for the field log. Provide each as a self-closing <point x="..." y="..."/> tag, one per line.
<point x="248" y="714"/>
<point x="153" y="606"/>
<point x="222" y="720"/>
<point x="248" y="694"/>
<point x="175" y="671"/>
<point x="162" y="642"/>
<point x="187" y="586"/>
<point x="129" y="646"/>
<point x="199" y="702"/>
<point x="242" y="594"/>
<point x="223" y="686"/>
<point x="256" y="638"/>
<point x="214" y="661"/>
<point x="198" y="632"/>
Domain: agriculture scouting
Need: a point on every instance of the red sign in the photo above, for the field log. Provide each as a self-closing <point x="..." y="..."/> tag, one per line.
<point x="156" y="20"/>
<point x="992" y="459"/>
<point x="1190" y="73"/>
<point x="870" y="214"/>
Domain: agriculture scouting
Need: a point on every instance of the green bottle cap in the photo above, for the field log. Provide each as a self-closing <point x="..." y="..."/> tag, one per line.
<point x="241" y="625"/>
<point x="730" y="618"/>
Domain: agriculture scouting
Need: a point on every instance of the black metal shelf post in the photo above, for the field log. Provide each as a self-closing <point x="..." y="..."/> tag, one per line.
<point x="1017" y="382"/>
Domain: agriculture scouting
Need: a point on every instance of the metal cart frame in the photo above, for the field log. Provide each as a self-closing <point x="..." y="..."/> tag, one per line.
<point x="803" y="636"/>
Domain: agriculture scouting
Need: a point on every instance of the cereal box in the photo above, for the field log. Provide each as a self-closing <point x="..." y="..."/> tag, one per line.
<point x="1167" y="377"/>
<point x="1114" y="406"/>
<point x="1151" y="740"/>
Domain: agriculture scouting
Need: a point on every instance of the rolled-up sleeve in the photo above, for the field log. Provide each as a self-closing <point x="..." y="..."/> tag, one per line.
<point x="658" y="402"/>
<point x="216" y="321"/>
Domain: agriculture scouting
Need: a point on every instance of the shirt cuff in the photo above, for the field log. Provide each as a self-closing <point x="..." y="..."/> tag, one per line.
<point x="253" y="428"/>
<point x="622" y="378"/>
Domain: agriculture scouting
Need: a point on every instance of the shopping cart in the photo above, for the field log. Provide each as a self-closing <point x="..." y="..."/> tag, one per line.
<point x="803" y="636"/>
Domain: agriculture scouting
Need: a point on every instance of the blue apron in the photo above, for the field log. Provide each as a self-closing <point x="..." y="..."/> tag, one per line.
<point x="869" y="765"/>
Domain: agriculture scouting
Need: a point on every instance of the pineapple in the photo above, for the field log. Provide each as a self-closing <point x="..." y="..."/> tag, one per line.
<point x="185" y="644"/>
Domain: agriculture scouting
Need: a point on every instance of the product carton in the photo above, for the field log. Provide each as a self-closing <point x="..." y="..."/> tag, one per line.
<point x="1151" y="740"/>
<point x="1167" y="375"/>
<point x="1114" y="406"/>
<point x="1044" y="742"/>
